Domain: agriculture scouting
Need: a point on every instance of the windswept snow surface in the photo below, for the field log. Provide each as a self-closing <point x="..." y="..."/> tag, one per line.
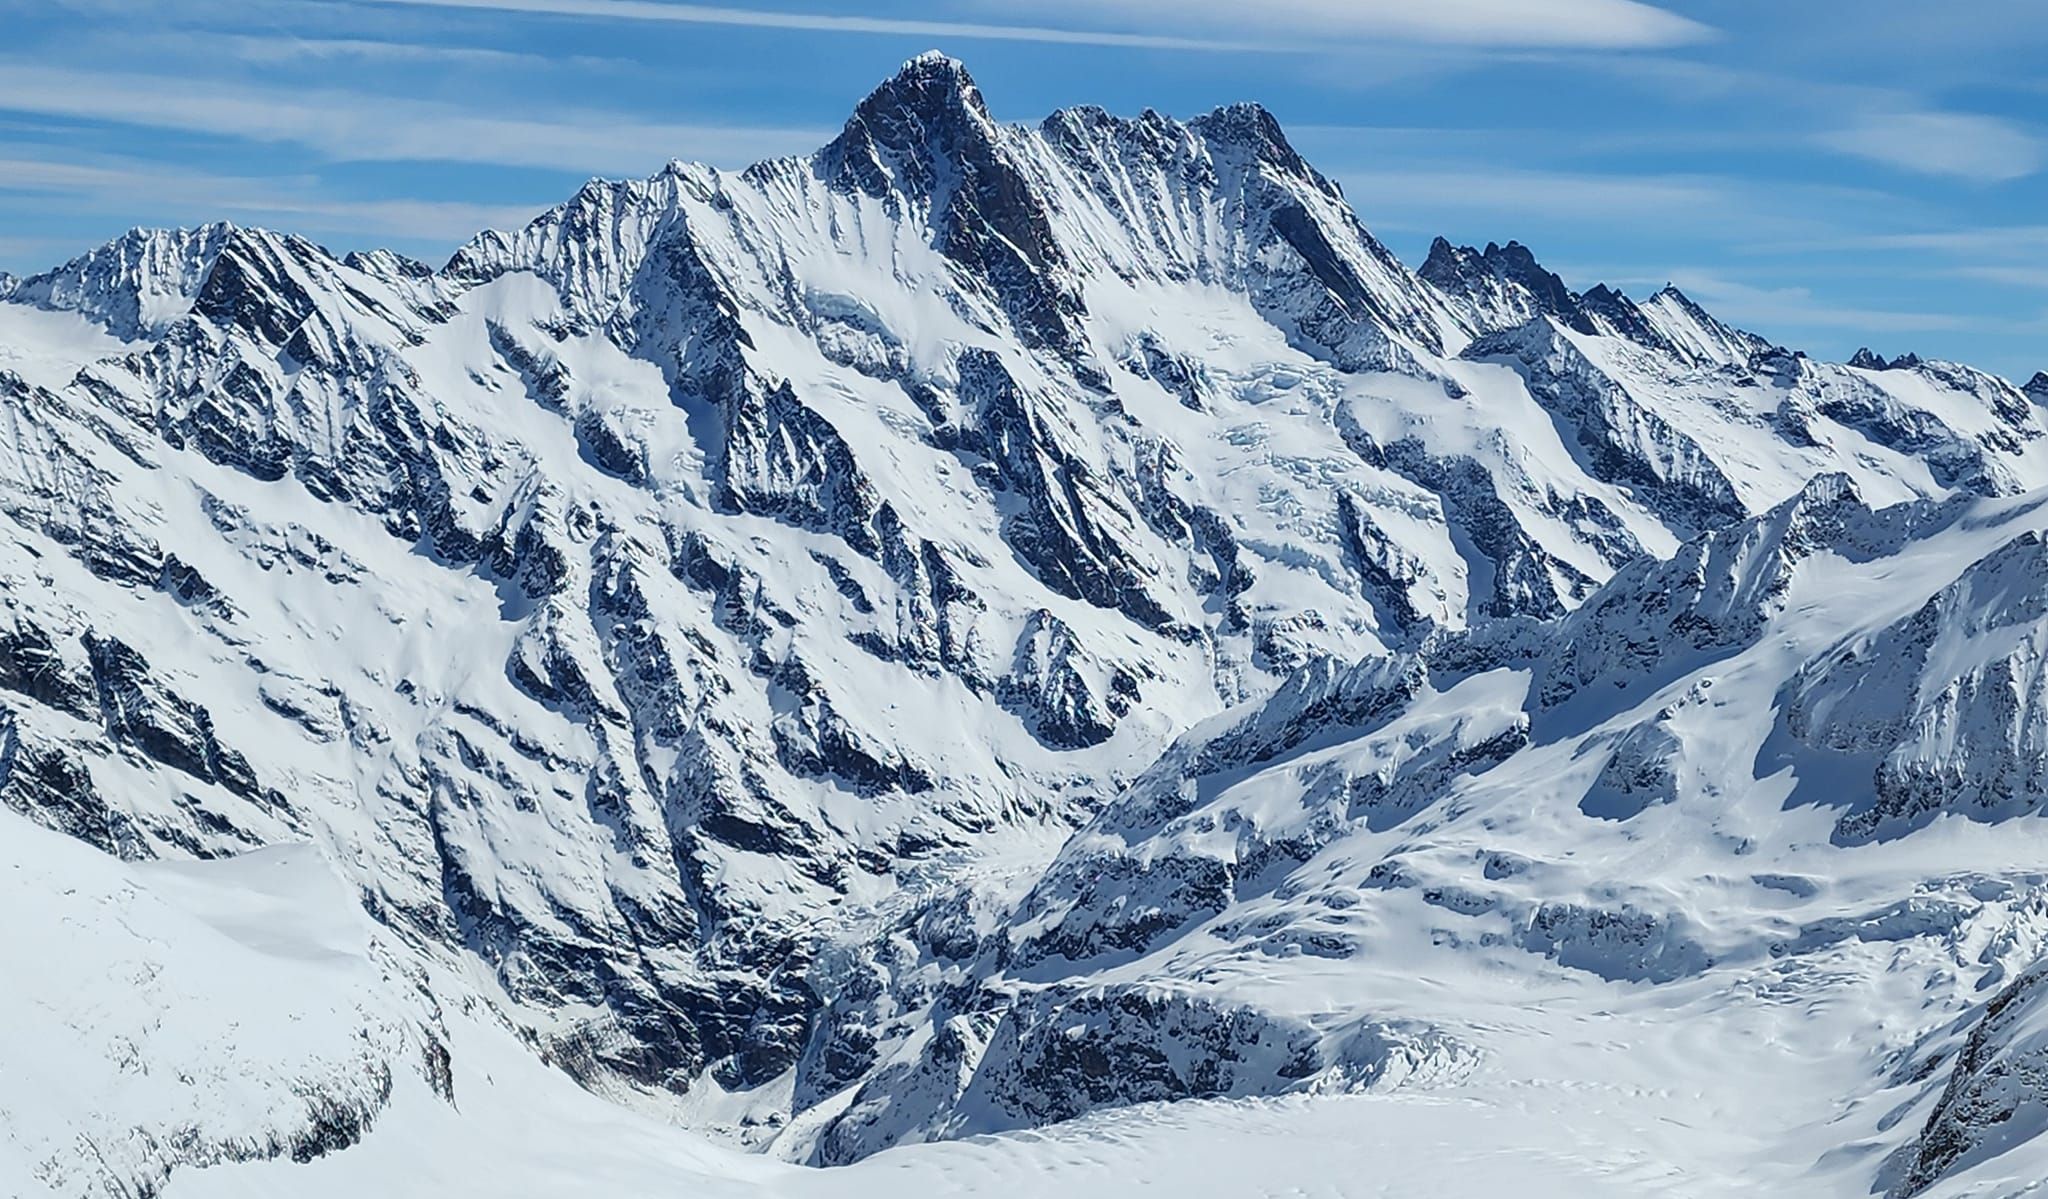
<point x="46" y="348"/>
<point x="1002" y="660"/>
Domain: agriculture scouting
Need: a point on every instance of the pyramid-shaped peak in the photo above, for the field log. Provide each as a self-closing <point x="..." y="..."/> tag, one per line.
<point x="135" y="285"/>
<point x="928" y="113"/>
<point x="1671" y="295"/>
<point x="1250" y="127"/>
<point x="1608" y="310"/>
<point x="932" y="83"/>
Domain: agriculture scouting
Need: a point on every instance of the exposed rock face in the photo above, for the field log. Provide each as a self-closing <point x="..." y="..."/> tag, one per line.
<point x="1504" y="287"/>
<point x="924" y="145"/>
<point x="1719" y="591"/>
<point x="1948" y="697"/>
<point x="1501" y="286"/>
<point x="137" y="285"/>
<point x="1993" y="1099"/>
<point x="1865" y="359"/>
<point x="1065" y="1052"/>
<point x="1628" y="440"/>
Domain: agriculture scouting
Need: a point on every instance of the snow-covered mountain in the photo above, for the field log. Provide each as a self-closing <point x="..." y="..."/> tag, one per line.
<point x="986" y="626"/>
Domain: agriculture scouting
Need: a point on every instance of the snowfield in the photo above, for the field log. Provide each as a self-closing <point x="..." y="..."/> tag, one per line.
<point x="998" y="660"/>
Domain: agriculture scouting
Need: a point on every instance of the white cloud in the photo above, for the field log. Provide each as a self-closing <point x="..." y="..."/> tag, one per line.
<point x="704" y="14"/>
<point x="295" y="202"/>
<point x="1494" y="201"/>
<point x="350" y="126"/>
<point x="274" y="49"/>
<point x="1890" y="125"/>
<point x="1960" y="145"/>
<point x="1553" y="24"/>
<point x="1404" y="193"/>
<point x="1992" y="239"/>
<point x="2006" y="276"/>
<point x="1798" y="307"/>
<point x="2011" y="256"/>
<point x="1277" y="25"/>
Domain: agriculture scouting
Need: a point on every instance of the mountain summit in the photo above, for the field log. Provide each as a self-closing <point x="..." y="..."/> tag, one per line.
<point x="925" y="126"/>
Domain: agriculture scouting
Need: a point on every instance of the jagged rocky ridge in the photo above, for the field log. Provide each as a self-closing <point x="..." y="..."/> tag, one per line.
<point x="673" y="607"/>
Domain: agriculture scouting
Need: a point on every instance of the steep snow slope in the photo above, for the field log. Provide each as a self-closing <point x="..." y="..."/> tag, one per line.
<point x="124" y="1062"/>
<point x="46" y="348"/>
<point x="690" y="624"/>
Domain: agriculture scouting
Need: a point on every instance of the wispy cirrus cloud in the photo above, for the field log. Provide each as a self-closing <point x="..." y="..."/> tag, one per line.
<point x="1400" y="190"/>
<point x="352" y="126"/>
<point x="267" y="48"/>
<point x="1799" y="307"/>
<point x="1984" y="239"/>
<point x="2006" y="276"/>
<point x="195" y="196"/>
<point x="1962" y="145"/>
<point x="2007" y="256"/>
<point x="1213" y="25"/>
<point x="1431" y="195"/>
<point x="1883" y="124"/>
<point x="1530" y="24"/>
<point x="751" y="18"/>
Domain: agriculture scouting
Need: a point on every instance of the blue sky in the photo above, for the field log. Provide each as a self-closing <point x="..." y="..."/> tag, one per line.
<point x="1828" y="172"/>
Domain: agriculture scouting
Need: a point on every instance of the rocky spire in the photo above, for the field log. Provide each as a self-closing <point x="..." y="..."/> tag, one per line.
<point x="1867" y="360"/>
<point x="903" y="138"/>
<point x="1250" y="128"/>
<point x="1501" y="286"/>
<point x="924" y="141"/>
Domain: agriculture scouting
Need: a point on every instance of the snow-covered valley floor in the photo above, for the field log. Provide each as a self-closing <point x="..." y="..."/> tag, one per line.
<point x="146" y="995"/>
